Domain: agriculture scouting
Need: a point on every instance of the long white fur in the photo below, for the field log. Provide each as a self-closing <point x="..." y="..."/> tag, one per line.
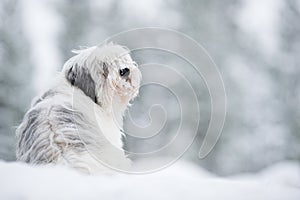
<point x="66" y="126"/>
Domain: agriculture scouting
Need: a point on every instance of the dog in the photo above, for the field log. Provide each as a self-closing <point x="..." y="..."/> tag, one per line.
<point x="78" y="122"/>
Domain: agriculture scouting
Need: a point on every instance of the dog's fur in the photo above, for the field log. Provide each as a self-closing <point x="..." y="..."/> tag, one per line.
<point x="78" y="122"/>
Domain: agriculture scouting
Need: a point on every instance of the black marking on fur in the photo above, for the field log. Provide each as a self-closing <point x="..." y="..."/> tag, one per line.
<point x="105" y="70"/>
<point x="81" y="78"/>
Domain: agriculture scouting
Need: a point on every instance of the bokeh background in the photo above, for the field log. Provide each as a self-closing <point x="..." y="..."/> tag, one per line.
<point x="255" y="44"/>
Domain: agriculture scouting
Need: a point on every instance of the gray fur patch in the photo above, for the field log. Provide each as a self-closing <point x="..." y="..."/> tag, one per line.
<point x="29" y="129"/>
<point x="80" y="77"/>
<point x="46" y="95"/>
<point x="105" y="70"/>
<point x="40" y="139"/>
<point x="29" y="137"/>
<point x="65" y="115"/>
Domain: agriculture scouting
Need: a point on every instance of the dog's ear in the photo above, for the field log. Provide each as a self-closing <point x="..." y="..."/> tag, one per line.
<point x="80" y="77"/>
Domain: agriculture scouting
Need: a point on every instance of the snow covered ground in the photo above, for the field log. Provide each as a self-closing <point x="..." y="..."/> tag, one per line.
<point x="180" y="181"/>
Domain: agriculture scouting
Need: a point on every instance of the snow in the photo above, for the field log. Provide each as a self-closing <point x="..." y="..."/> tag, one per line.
<point x="179" y="181"/>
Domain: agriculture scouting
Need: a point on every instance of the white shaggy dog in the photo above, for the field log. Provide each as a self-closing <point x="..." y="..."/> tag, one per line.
<point x="78" y="122"/>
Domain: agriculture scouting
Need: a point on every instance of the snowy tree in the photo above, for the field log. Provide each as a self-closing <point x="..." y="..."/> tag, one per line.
<point x="15" y="76"/>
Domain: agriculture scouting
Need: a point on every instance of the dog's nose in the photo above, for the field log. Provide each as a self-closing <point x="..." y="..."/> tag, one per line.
<point x="124" y="72"/>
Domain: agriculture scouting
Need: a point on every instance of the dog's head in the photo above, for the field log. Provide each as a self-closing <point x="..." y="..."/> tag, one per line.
<point x="105" y="74"/>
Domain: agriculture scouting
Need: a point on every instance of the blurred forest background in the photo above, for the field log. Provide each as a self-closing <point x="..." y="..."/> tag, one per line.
<point x="255" y="44"/>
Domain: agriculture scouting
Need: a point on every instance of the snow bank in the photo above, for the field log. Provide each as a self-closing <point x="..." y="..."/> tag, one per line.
<point x="180" y="181"/>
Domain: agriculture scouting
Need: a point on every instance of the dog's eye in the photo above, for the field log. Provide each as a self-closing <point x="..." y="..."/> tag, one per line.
<point x="124" y="72"/>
